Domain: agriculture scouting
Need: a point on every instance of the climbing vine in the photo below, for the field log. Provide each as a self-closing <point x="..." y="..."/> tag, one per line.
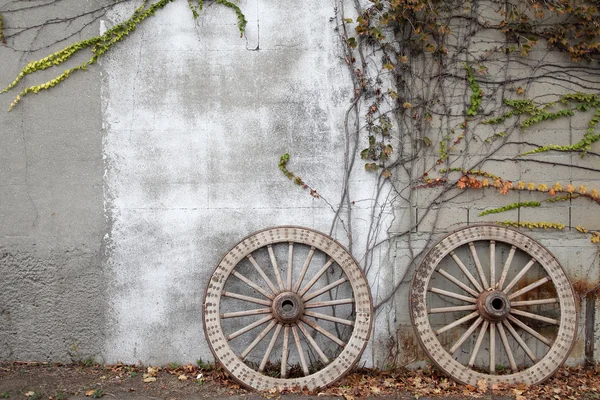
<point x="99" y="45"/>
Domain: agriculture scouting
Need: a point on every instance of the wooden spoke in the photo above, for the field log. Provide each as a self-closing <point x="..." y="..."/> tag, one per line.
<point x="529" y="330"/>
<point x="492" y="263"/>
<point x="478" y="342"/>
<point x="533" y="302"/>
<point x="319" y="329"/>
<point x="328" y="303"/>
<point x="252" y="285"/>
<point x="327" y="288"/>
<point x="506" y="267"/>
<point x="452" y="309"/>
<point x="519" y="275"/>
<point x="263" y="363"/>
<point x="466" y="335"/>
<point x="257" y="340"/>
<point x="529" y="288"/>
<point x="285" y="351"/>
<point x="535" y="316"/>
<point x="311" y="253"/>
<point x="247" y="298"/>
<point x="300" y="352"/>
<point x="492" y="348"/>
<point x="457" y="282"/>
<point x="249" y="327"/>
<point x="275" y="267"/>
<point x="478" y="266"/>
<point x="315" y="278"/>
<point x="329" y="318"/>
<point x="465" y="271"/>
<point x="509" y="353"/>
<point x="519" y="340"/>
<point x="313" y="344"/>
<point x="290" y="271"/>
<point x="261" y="273"/>
<point x="453" y="295"/>
<point x="236" y="314"/>
<point x="457" y="322"/>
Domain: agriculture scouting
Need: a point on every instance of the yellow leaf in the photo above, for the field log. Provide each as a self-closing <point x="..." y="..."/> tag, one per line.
<point x="29" y="394"/>
<point x="482" y="385"/>
<point x="89" y="393"/>
<point x="182" y="377"/>
<point x="407" y="105"/>
<point x="150" y="379"/>
<point x="152" y="371"/>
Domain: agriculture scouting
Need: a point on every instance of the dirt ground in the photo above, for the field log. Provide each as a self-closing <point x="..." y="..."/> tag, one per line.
<point x="37" y="381"/>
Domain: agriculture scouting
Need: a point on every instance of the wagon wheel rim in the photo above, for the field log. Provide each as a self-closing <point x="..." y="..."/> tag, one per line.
<point x="493" y="318"/>
<point x="293" y="306"/>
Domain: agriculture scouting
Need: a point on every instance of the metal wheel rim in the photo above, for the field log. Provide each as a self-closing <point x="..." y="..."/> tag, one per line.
<point x="337" y="367"/>
<point x="559" y="349"/>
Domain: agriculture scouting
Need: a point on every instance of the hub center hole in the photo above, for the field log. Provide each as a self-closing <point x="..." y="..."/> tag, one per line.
<point x="287" y="305"/>
<point x="497" y="304"/>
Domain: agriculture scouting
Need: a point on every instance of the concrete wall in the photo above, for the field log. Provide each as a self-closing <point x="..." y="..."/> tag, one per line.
<point x="124" y="186"/>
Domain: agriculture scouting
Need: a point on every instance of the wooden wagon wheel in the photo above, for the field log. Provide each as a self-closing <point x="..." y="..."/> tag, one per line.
<point x="491" y="303"/>
<point x="286" y="307"/>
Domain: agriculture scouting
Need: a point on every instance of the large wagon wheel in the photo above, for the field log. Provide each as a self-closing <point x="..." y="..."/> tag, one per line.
<point x="491" y="303"/>
<point x="314" y="310"/>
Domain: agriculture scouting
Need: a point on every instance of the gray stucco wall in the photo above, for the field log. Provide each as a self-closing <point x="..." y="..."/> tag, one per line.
<point x="125" y="185"/>
<point x="53" y="286"/>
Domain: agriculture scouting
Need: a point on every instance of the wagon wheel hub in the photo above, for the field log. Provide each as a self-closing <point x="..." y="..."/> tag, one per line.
<point x="493" y="305"/>
<point x="287" y="307"/>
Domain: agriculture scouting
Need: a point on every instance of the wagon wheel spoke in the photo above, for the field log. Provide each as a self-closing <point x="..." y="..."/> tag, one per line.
<point x="318" y="304"/>
<point x="275" y="267"/>
<point x="334" y="330"/>
<point x="477" y="263"/>
<point x="262" y="273"/>
<point x="519" y="340"/>
<point x="290" y="271"/>
<point x="285" y="351"/>
<point x="321" y="330"/>
<point x="257" y="340"/>
<point x="263" y="363"/>
<point x="327" y="288"/>
<point x="300" y="351"/>
<point x="528" y="288"/>
<point x="479" y="299"/>
<point x="506" y="267"/>
<point x="313" y="344"/>
<point x="530" y="330"/>
<point x="480" y="337"/>
<point x="249" y="327"/>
